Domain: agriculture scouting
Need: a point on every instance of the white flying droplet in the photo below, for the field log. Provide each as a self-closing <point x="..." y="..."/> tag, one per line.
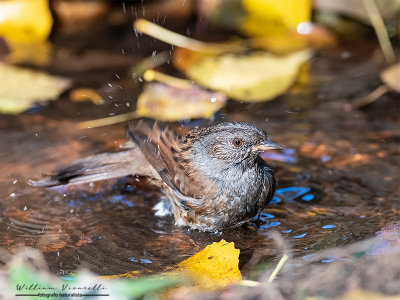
<point x="304" y="28"/>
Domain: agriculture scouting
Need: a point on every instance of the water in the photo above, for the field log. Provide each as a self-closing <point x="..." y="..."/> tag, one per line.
<point x="338" y="179"/>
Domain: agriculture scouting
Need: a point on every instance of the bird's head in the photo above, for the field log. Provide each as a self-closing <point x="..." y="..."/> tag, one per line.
<point x="230" y="144"/>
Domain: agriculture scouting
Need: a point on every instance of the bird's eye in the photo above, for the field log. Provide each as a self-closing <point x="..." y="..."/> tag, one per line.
<point x="237" y="142"/>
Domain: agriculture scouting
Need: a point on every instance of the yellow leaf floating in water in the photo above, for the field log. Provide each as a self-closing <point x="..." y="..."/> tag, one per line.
<point x="257" y="77"/>
<point x="176" y="100"/>
<point x="21" y="88"/>
<point x="215" y="266"/>
<point x="166" y="103"/>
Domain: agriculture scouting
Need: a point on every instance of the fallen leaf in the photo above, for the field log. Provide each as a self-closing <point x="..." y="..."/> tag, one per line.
<point x="21" y="88"/>
<point x="86" y="94"/>
<point x="215" y="266"/>
<point x="26" y="25"/>
<point x="270" y="16"/>
<point x="75" y="16"/>
<point x="25" y="20"/>
<point x="316" y="37"/>
<point x="128" y="275"/>
<point x="256" y="77"/>
<point x="166" y="103"/>
<point x="179" y="100"/>
<point x="391" y="77"/>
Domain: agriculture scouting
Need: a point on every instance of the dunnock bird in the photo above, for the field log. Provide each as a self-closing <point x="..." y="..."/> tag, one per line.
<point x="213" y="177"/>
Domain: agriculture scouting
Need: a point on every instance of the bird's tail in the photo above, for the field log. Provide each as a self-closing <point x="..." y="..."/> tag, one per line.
<point x="98" y="167"/>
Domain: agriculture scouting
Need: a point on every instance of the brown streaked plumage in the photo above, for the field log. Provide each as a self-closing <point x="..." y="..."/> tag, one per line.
<point x="212" y="177"/>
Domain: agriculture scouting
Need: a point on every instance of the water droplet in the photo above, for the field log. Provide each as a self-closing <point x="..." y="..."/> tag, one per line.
<point x="304" y="28"/>
<point x="213" y="99"/>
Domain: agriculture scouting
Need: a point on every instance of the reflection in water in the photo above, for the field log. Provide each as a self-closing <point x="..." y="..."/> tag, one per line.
<point x="289" y="194"/>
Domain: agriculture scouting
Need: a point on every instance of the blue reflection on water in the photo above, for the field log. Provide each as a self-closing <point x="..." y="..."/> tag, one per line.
<point x="141" y="260"/>
<point x="121" y="199"/>
<point x="275" y="200"/>
<point x="269" y="225"/>
<point x="291" y="193"/>
<point x="307" y="197"/>
<point x="331" y="258"/>
<point x="329" y="226"/>
<point x="264" y="215"/>
<point x="287" y="231"/>
<point x="298" y="236"/>
<point x="326" y="158"/>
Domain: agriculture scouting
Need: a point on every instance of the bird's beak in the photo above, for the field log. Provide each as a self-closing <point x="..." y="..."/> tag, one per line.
<point x="266" y="145"/>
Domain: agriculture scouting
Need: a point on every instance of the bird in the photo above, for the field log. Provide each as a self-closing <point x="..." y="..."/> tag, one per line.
<point x="213" y="177"/>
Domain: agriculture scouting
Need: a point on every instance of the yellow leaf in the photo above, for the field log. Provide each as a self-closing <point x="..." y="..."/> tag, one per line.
<point x="168" y="103"/>
<point x="21" y="88"/>
<point x="274" y="16"/>
<point x="128" y="275"/>
<point x="256" y="77"/>
<point x="26" y="25"/>
<point x="86" y="94"/>
<point x="25" y="20"/>
<point x="215" y="266"/>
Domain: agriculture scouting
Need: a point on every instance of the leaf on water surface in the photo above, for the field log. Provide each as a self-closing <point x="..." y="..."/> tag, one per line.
<point x="86" y="94"/>
<point x="21" y="88"/>
<point x="257" y="77"/>
<point x="167" y="103"/>
<point x="176" y="100"/>
<point x="215" y="266"/>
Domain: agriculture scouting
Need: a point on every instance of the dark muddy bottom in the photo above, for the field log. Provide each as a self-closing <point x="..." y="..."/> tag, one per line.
<point x="338" y="177"/>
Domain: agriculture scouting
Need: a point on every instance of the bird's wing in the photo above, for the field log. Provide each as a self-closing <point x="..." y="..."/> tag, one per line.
<point x="163" y="150"/>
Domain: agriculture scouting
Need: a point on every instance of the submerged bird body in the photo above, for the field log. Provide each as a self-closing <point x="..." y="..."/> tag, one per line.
<point x="213" y="177"/>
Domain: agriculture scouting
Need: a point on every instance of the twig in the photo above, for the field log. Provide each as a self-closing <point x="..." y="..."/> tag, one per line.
<point x="249" y="283"/>
<point x="108" y="120"/>
<point x="380" y="30"/>
<point x="371" y="97"/>
<point x="179" y="83"/>
<point x="176" y="39"/>
<point x="278" y="268"/>
<point x="150" y="63"/>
